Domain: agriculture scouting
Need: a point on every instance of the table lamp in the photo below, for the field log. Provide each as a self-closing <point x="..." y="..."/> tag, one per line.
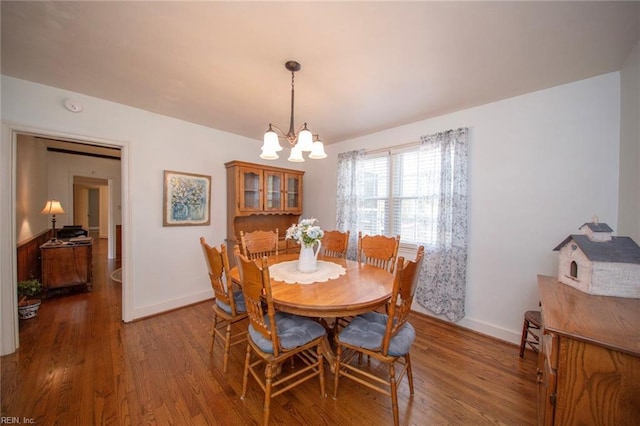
<point x="53" y="207"/>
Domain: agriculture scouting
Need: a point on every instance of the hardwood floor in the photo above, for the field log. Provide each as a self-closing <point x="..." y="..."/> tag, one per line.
<point x="78" y="364"/>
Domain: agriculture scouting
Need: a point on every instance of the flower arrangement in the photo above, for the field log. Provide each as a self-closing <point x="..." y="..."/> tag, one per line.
<point x="305" y="232"/>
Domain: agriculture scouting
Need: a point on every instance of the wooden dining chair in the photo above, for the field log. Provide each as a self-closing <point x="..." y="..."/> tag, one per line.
<point x="229" y="306"/>
<point x="378" y="250"/>
<point x="292" y="337"/>
<point x="334" y="244"/>
<point x="257" y="244"/>
<point x="386" y="338"/>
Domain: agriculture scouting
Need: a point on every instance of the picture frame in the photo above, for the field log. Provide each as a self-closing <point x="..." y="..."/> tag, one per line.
<point x="186" y="199"/>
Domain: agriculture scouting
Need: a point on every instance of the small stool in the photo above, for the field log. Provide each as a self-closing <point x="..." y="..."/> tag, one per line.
<point x="532" y="321"/>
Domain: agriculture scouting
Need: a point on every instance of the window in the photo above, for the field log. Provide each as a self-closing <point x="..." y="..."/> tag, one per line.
<point x="419" y="192"/>
<point x="374" y="217"/>
<point x="395" y="198"/>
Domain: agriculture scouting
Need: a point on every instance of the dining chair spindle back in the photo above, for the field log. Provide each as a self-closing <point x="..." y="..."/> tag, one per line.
<point x="275" y="337"/>
<point x="229" y="306"/>
<point x="378" y="250"/>
<point x="335" y="243"/>
<point x="258" y="244"/>
<point x="386" y="338"/>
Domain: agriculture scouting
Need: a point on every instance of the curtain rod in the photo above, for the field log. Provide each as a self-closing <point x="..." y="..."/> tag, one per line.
<point x="394" y="147"/>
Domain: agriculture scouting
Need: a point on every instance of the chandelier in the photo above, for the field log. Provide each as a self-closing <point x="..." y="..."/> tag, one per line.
<point x="301" y="140"/>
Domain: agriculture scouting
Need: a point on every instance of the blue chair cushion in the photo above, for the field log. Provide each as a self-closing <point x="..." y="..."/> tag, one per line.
<point x="367" y="331"/>
<point x="238" y="297"/>
<point x="293" y="331"/>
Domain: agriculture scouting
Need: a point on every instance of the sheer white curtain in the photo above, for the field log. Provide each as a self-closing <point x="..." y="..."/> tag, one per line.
<point x="438" y="218"/>
<point x="349" y="197"/>
<point x="442" y="282"/>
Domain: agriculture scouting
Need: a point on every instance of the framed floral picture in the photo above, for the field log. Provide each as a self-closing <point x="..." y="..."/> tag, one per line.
<point x="186" y="199"/>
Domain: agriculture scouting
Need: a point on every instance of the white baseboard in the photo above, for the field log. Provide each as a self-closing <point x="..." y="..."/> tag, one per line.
<point x="510" y="336"/>
<point x="160" y="308"/>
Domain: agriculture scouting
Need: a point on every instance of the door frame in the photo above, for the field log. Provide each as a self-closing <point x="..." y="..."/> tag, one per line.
<point x="9" y="328"/>
<point x="108" y="187"/>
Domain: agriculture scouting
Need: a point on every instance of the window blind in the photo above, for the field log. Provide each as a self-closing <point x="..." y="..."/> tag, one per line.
<point x="401" y="194"/>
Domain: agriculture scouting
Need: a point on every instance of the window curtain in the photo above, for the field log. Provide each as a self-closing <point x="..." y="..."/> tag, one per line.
<point x="349" y="197"/>
<point x="442" y="282"/>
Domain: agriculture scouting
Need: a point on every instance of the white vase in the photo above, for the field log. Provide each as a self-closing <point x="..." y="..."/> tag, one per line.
<point x="308" y="260"/>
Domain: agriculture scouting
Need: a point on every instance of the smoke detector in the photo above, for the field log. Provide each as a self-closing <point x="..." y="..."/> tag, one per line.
<point x="73" y="105"/>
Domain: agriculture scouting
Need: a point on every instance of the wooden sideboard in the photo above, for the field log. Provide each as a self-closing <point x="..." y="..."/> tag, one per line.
<point x="66" y="264"/>
<point x="589" y="362"/>
<point x="263" y="198"/>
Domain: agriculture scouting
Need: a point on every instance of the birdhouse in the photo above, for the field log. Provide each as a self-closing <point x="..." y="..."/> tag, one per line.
<point x="598" y="263"/>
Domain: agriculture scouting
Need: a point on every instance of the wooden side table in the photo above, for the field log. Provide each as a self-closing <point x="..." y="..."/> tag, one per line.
<point x="66" y="264"/>
<point x="589" y="361"/>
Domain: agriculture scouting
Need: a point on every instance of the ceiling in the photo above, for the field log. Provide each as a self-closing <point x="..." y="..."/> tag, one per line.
<point x="366" y="66"/>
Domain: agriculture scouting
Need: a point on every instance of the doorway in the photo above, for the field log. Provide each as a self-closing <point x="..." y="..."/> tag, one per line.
<point x="91" y="206"/>
<point x="117" y="186"/>
<point x="84" y="177"/>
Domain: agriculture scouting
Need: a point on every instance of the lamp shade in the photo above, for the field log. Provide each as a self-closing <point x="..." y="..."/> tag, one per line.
<point x="317" y="151"/>
<point x="52" y="207"/>
<point x="271" y="142"/>
<point x="268" y="154"/>
<point x="305" y="140"/>
<point x="296" y="155"/>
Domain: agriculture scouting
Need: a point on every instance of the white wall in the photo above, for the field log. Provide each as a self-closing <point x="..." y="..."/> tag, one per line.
<point x="63" y="167"/>
<point x="163" y="266"/>
<point x="629" y="214"/>
<point x="541" y="165"/>
<point x="31" y="188"/>
<point x="103" y="214"/>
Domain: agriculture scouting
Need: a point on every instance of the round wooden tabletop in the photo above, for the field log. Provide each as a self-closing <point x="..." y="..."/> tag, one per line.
<point x="362" y="289"/>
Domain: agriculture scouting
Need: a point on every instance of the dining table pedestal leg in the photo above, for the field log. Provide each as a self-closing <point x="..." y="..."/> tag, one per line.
<point x="328" y="353"/>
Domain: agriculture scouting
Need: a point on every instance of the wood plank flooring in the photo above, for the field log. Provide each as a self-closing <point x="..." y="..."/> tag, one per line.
<point x="78" y="364"/>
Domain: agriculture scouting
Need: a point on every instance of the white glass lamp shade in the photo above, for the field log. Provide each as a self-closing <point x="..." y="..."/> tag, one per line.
<point x="305" y="140"/>
<point x="317" y="151"/>
<point x="52" y="207"/>
<point x="296" y="155"/>
<point x="268" y="154"/>
<point x="271" y="141"/>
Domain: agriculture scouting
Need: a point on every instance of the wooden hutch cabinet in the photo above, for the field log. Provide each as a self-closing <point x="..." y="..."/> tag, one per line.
<point x="66" y="264"/>
<point x="589" y="362"/>
<point x="261" y="198"/>
<point x="293" y="192"/>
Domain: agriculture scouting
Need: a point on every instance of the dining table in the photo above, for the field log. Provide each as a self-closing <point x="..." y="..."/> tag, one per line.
<point x="361" y="288"/>
<point x="352" y="289"/>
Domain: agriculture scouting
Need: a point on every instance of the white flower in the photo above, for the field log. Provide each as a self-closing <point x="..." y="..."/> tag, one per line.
<point x="305" y="232"/>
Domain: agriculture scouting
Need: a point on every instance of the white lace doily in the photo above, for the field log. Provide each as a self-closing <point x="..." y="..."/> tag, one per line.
<point x="288" y="272"/>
